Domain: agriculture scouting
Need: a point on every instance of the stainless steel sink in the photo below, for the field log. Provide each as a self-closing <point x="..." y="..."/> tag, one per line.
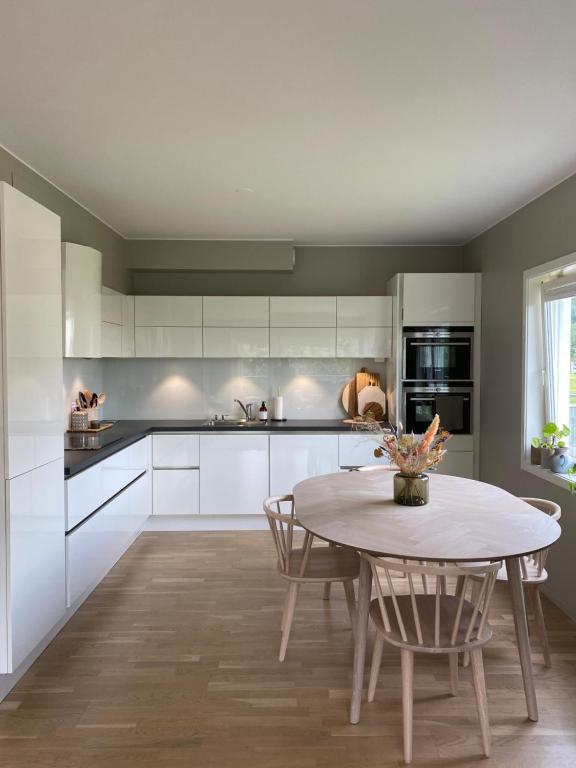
<point x="231" y="423"/>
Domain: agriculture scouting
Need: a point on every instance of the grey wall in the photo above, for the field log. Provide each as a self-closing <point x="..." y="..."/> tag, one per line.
<point x="320" y="271"/>
<point x="78" y="225"/>
<point x="543" y="230"/>
<point x="210" y="255"/>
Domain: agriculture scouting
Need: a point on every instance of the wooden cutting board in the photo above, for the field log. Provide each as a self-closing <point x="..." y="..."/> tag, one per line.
<point x="374" y="399"/>
<point x="351" y="391"/>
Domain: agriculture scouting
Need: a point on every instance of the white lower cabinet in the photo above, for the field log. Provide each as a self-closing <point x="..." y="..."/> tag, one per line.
<point x="93" y="547"/>
<point x="176" y="491"/>
<point x="295" y="457"/>
<point x="177" y="451"/>
<point x="458" y="463"/>
<point x="357" y="450"/>
<point x="233" y="474"/>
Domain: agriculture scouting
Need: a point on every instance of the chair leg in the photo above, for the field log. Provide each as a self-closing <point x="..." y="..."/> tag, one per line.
<point x="481" y="701"/>
<point x="283" y="621"/>
<point x="327" y="587"/>
<point x="476" y="587"/>
<point x="453" y="661"/>
<point x="375" y="668"/>
<point x="407" y="662"/>
<point x="290" y="606"/>
<point x="541" y="624"/>
<point x="351" y="603"/>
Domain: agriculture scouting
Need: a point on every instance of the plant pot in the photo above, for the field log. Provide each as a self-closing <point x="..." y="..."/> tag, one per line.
<point x="560" y="461"/>
<point x="411" y="490"/>
<point x="546" y="457"/>
<point x="535" y="455"/>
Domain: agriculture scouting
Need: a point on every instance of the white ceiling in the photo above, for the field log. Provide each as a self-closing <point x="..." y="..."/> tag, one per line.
<point x="322" y="121"/>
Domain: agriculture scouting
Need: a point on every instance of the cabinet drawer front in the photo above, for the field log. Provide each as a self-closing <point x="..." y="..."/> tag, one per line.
<point x="364" y="342"/>
<point x="168" y="311"/>
<point x="302" y="311"/>
<point x="357" y="450"/>
<point x="236" y="311"/>
<point x="364" y="311"/>
<point x="176" y="491"/>
<point x="302" y="342"/>
<point x="297" y="457"/>
<point x="168" y="342"/>
<point x="236" y="342"/>
<point x="94" y="547"/>
<point x="176" y="451"/>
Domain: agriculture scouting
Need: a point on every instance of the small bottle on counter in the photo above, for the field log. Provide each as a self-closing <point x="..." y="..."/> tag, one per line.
<point x="263" y="412"/>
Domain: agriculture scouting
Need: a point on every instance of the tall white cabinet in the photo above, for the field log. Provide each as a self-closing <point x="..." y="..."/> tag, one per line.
<point x="82" y="289"/>
<point x="32" y="576"/>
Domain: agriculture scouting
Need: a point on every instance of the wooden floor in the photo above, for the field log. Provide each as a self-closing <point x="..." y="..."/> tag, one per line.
<point x="173" y="662"/>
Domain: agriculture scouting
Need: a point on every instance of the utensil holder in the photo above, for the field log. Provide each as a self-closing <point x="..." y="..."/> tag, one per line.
<point x="79" y="421"/>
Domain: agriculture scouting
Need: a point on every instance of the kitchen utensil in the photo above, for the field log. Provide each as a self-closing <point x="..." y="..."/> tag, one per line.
<point x="375" y="410"/>
<point x="82" y="401"/>
<point x="362" y="380"/>
<point x="101" y="398"/>
<point x="349" y="398"/>
<point x="371" y="395"/>
<point x="94" y="400"/>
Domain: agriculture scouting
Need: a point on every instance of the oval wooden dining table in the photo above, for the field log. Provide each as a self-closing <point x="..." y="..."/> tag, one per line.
<point x="465" y="520"/>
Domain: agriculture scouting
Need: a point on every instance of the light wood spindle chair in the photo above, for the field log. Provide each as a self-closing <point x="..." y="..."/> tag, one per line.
<point x="534" y="574"/>
<point x="423" y="620"/>
<point x="307" y="564"/>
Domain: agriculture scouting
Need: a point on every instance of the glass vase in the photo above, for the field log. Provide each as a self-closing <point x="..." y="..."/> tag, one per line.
<point x="411" y="490"/>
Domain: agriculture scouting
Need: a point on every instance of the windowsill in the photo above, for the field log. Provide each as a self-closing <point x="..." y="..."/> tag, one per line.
<point x="546" y="474"/>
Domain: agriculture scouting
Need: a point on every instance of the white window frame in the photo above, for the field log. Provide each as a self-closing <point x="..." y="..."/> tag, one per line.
<point x="561" y="272"/>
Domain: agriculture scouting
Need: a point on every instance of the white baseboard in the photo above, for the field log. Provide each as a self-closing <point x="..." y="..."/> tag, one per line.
<point x="207" y="523"/>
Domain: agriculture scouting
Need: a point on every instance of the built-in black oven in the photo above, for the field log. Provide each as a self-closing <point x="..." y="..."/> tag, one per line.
<point x="438" y="354"/>
<point x="453" y="404"/>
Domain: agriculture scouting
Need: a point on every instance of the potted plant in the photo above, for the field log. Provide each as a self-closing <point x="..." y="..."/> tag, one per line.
<point x="413" y="455"/>
<point x="536" y="450"/>
<point x="553" y="444"/>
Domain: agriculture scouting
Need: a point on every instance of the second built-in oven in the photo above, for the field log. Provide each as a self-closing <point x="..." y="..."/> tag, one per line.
<point x="438" y="354"/>
<point x="453" y="404"/>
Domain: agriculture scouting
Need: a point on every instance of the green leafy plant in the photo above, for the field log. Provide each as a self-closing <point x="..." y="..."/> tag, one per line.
<point x="552" y="436"/>
<point x="571" y="474"/>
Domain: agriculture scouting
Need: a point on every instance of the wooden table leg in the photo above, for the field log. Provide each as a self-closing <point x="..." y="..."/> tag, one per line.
<point x="522" y="638"/>
<point x="362" y="608"/>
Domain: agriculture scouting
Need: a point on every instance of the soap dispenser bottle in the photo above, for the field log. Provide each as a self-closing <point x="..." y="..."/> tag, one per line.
<point x="263" y="412"/>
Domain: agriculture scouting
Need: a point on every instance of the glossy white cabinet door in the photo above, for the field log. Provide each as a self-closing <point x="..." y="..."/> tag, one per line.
<point x="32" y="328"/>
<point x="168" y="310"/>
<point x="302" y="342"/>
<point x="296" y="457"/>
<point x="175" y="451"/>
<point x="176" y="492"/>
<point x="233" y="474"/>
<point x="168" y="342"/>
<point x="82" y="285"/>
<point x="364" y="342"/>
<point x="236" y="311"/>
<point x="439" y="298"/>
<point x="302" y="311"/>
<point x="364" y="311"/>
<point x="459" y="463"/>
<point x="236" y="342"/>
<point x="111" y="306"/>
<point x="111" y="340"/>
<point x="357" y="450"/>
<point x="94" y="547"/>
<point x="36" y="596"/>
<point x="128" y="345"/>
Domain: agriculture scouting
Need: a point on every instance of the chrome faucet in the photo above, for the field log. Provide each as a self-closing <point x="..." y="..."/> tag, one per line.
<point x="246" y="408"/>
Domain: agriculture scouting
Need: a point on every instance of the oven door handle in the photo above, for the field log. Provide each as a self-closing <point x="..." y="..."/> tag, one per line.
<point x="432" y="343"/>
<point x="421" y="399"/>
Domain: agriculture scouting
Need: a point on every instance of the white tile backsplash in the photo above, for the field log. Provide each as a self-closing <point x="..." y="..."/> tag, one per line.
<point x="197" y="389"/>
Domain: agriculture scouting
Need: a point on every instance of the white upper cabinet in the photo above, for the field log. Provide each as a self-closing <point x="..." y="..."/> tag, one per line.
<point x="111" y="340"/>
<point x="82" y="286"/>
<point x="32" y="331"/>
<point x="302" y="342"/>
<point x="364" y="311"/>
<point x="302" y="311"/>
<point x="111" y="306"/>
<point x="439" y="298"/>
<point x="159" y="341"/>
<point x="236" y="342"/>
<point x="236" y="311"/>
<point x="168" y="311"/>
<point x="364" y="342"/>
<point x="128" y="347"/>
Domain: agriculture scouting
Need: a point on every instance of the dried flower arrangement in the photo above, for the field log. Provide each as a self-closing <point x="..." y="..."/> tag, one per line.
<point x="414" y="455"/>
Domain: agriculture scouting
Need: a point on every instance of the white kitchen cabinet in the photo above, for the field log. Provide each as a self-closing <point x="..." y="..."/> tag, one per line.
<point x="111" y="306"/>
<point x="236" y="311"/>
<point x="233" y="474"/>
<point x="296" y="457"/>
<point x="94" y="546"/>
<point x="175" y="451"/>
<point x="168" y="311"/>
<point x="302" y="342"/>
<point x="128" y="342"/>
<point x="168" y="342"/>
<point x="236" y="342"/>
<point x="176" y="491"/>
<point x="82" y="286"/>
<point x="302" y="311"/>
<point x="364" y="311"/>
<point x="36" y="580"/>
<point x="357" y="450"/>
<point x="111" y="340"/>
<point x="458" y="463"/>
<point x="438" y="298"/>
<point x="364" y="342"/>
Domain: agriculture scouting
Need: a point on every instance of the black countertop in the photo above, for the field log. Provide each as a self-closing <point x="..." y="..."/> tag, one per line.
<point x="124" y="433"/>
